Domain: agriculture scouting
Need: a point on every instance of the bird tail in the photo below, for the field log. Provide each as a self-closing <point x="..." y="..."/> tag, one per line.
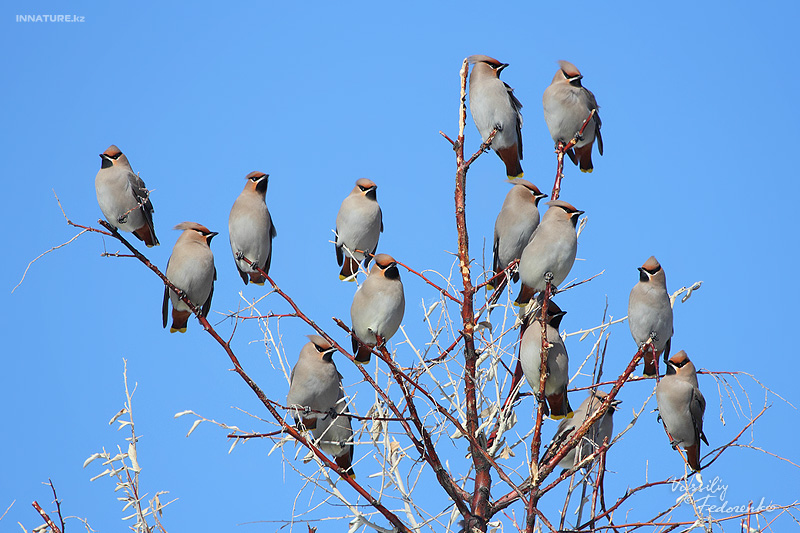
<point x="650" y="364"/>
<point x="525" y="295"/>
<point x="363" y="354"/>
<point x="584" y="157"/>
<point x="693" y="456"/>
<point x="147" y="235"/>
<point x="307" y="423"/>
<point x="345" y="462"/>
<point x="510" y="156"/>
<point x="559" y="405"/>
<point x="257" y="278"/>
<point x="179" y="321"/>
<point x="349" y="269"/>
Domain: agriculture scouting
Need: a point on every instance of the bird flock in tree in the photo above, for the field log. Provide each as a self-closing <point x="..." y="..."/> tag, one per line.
<point x="535" y="253"/>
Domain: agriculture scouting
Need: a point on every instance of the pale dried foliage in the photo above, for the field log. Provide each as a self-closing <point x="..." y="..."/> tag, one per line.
<point x="123" y="467"/>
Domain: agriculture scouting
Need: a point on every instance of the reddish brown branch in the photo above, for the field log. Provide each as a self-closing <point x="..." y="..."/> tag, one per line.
<point x="536" y="441"/>
<point x="441" y="357"/>
<point x="478" y="518"/>
<point x="429" y="282"/>
<point x="47" y="520"/>
<point x="58" y="504"/>
<point x="562" y="149"/>
<point x="448" y="138"/>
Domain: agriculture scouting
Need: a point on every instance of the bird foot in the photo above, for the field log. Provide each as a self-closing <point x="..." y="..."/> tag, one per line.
<point x="654" y="336"/>
<point x="239" y="256"/>
<point x="122" y="219"/>
<point x="578" y="137"/>
<point x="548" y="276"/>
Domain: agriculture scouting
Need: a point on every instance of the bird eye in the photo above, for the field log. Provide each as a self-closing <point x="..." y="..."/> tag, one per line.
<point x="654" y="271"/>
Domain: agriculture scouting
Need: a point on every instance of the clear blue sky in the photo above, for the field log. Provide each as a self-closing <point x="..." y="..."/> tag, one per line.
<point x="698" y="108"/>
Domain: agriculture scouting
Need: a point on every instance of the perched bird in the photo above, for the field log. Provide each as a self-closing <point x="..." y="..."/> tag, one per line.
<point x="191" y="269"/>
<point x="378" y="307"/>
<point x="251" y="229"/>
<point x="493" y="105"/>
<point x="681" y="406"/>
<point x="123" y="197"/>
<point x="567" y="104"/>
<point x="314" y="384"/>
<point x="334" y="435"/>
<point x="650" y="313"/>
<point x="515" y="224"/>
<point x="551" y="250"/>
<point x="530" y="356"/>
<point x="358" y="227"/>
<point x="601" y="429"/>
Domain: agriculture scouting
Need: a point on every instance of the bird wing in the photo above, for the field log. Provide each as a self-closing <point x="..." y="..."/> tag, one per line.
<point x="207" y="305"/>
<point x="517" y="107"/>
<point x="495" y="249"/>
<point x="165" y="306"/>
<point x="272" y="231"/>
<point x="598" y="123"/>
<point x="140" y="192"/>
<point x="697" y="407"/>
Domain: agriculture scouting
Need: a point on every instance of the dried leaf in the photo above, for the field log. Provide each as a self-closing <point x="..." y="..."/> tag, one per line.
<point x="431" y="308"/>
<point x="511" y="420"/>
<point x="116" y="416"/>
<point x="506" y="452"/>
<point x="277" y="445"/>
<point x="394" y="447"/>
<point x="355" y="524"/>
<point x="101" y="474"/>
<point x="194" y="426"/>
<point x="233" y="444"/>
<point x="158" y="505"/>
<point x="118" y="457"/>
<point x="92" y="458"/>
<point x="132" y="457"/>
<point x="488" y="412"/>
